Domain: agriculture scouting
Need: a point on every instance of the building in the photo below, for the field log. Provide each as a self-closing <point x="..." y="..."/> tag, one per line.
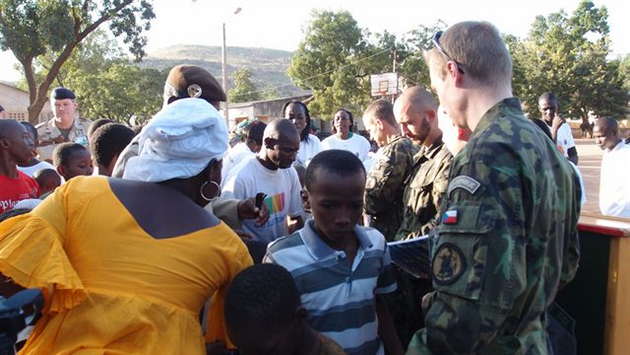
<point x="15" y="102"/>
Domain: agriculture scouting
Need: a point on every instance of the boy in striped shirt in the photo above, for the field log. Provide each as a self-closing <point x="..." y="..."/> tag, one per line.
<point x="340" y="268"/>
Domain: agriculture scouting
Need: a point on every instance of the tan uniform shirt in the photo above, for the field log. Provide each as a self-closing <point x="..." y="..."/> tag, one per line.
<point x="48" y="130"/>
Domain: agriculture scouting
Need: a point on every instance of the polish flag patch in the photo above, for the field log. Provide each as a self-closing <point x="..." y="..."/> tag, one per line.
<point x="450" y="217"/>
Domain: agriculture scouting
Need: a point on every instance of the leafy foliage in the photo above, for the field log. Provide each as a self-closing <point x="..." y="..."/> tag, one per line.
<point x="567" y="55"/>
<point x="244" y="88"/>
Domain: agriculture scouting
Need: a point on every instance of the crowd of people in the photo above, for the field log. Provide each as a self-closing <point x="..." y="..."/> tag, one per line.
<point x="170" y="238"/>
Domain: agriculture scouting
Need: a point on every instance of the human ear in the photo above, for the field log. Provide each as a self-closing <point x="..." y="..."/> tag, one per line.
<point x="305" y="200"/>
<point x="431" y="115"/>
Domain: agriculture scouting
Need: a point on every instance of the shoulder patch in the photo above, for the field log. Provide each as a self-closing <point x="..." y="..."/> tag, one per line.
<point x="463" y="182"/>
<point x="448" y="264"/>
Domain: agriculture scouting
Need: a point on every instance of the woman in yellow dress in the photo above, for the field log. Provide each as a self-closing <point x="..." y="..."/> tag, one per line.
<point x="126" y="266"/>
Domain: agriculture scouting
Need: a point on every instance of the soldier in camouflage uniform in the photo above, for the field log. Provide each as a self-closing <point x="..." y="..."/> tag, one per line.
<point x="508" y="237"/>
<point x="392" y="164"/>
<point x="416" y="111"/>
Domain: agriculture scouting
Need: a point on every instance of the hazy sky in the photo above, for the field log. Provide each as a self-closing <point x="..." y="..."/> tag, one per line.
<point x="279" y="24"/>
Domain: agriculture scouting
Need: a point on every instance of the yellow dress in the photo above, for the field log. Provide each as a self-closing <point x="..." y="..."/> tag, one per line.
<point x="109" y="287"/>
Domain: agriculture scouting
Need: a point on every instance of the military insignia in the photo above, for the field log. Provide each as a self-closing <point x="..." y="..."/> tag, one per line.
<point x="463" y="182"/>
<point x="194" y="91"/>
<point x="450" y="217"/>
<point x="448" y="264"/>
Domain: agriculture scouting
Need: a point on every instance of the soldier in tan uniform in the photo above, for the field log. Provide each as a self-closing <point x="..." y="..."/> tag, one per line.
<point x="66" y="126"/>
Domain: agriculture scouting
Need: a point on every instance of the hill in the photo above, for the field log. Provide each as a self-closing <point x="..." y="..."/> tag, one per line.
<point x="268" y="66"/>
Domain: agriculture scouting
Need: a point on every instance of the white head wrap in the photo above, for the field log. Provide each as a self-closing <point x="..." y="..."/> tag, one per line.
<point x="179" y="142"/>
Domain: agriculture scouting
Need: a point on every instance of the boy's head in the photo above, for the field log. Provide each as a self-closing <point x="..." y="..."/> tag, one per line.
<point x="16" y="143"/>
<point x="106" y="144"/>
<point x="47" y="179"/>
<point x="96" y="125"/>
<point x="335" y="183"/>
<point x="72" y="159"/>
<point x="262" y="311"/>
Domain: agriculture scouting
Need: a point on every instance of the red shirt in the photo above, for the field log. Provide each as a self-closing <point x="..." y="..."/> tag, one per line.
<point x="14" y="190"/>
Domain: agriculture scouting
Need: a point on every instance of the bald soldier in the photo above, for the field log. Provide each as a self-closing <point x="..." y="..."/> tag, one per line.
<point x="185" y="81"/>
<point x="416" y="112"/>
<point x="392" y="164"/>
<point x="65" y="126"/>
<point x="508" y="235"/>
<point x="271" y="172"/>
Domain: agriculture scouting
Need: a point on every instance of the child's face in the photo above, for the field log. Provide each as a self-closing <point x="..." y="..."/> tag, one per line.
<point x="261" y="338"/>
<point x="337" y="205"/>
<point x="80" y="163"/>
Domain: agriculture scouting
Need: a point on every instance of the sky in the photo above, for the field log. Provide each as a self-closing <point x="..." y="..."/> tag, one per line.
<point x="279" y="24"/>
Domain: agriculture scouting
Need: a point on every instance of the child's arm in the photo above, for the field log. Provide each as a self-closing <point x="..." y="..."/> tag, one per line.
<point x="386" y="329"/>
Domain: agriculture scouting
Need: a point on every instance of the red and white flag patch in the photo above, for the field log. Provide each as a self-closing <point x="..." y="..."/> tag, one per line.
<point x="450" y="217"/>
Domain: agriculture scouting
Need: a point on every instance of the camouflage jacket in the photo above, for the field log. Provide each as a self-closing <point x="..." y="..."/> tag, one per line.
<point x="424" y="191"/>
<point x="384" y="186"/>
<point x="48" y="130"/>
<point x="507" y="241"/>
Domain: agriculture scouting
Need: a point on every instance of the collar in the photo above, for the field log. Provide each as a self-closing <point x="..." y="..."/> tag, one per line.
<point x="319" y="249"/>
<point x="618" y="146"/>
<point x="510" y="104"/>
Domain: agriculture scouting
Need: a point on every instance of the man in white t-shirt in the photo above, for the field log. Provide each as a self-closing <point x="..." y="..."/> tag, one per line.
<point x="560" y="130"/>
<point x="343" y="137"/>
<point x="271" y="173"/>
<point x="614" y="189"/>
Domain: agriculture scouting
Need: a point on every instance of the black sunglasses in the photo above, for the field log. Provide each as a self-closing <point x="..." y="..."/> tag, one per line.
<point x="436" y="43"/>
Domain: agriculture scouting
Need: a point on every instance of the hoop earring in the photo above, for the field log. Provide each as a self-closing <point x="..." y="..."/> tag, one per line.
<point x="204" y="196"/>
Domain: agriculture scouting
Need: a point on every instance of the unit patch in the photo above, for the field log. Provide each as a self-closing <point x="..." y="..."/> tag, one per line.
<point x="448" y="264"/>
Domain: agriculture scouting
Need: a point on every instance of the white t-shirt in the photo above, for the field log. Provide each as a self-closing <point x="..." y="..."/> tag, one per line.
<point x="308" y="149"/>
<point x="614" y="187"/>
<point x="579" y="175"/>
<point x="237" y="154"/>
<point x="30" y="170"/>
<point x="356" y="145"/>
<point x="282" y="187"/>
<point x="564" y="139"/>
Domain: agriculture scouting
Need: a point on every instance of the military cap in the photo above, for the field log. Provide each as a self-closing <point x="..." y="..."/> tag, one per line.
<point x="60" y="93"/>
<point x="193" y="81"/>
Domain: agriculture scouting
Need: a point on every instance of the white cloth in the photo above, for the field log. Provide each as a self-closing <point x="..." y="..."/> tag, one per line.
<point x="179" y="142"/>
<point x="30" y="170"/>
<point x="564" y="139"/>
<point x="308" y="149"/>
<point x="29" y="204"/>
<point x="237" y="154"/>
<point x="356" y="145"/>
<point x="282" y="187"/>
<point x="614" y="187"/>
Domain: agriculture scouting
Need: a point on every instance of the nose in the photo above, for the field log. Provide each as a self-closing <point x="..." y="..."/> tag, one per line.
<point x="404" y="129"/>
<point x="343" y="217"/>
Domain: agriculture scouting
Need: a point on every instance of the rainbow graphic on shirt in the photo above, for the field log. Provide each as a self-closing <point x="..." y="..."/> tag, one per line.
<point x="275" y="203"/>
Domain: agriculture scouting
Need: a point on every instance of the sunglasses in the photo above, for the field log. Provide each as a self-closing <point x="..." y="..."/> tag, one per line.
<point x="436" y="43"/>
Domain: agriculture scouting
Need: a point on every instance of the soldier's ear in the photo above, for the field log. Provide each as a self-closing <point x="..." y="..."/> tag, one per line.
<point x="431" y="115"/>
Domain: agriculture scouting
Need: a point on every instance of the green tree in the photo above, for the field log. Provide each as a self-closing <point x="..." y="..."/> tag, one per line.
<point x="326" y="63"/>
<point x="121" y="92"/>
<point x="244" y="88"/>
<point x="566" y="55"/>
<point x="33" y="28"/>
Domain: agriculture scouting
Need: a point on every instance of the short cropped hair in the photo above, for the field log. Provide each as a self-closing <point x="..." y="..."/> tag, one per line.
<point x="305" y="132"/>
<point x="96" y="125"/>
<point x="337" y="161"/>
<point x="31" y="129"/>
<point x="263" y="292"/>
<point x="253" y="132"/>
<point x="609" y="125"/>
<point x="42" y="175"/>
<point x="108" y="141"/>
<point x="480" y="50"/>
<point x="549" y="97"/>
<point x="64" y="151"/>
<point x="382" y="109"/>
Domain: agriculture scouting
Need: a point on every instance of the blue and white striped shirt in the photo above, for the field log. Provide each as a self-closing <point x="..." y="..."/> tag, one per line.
<point x="339" y="297"/>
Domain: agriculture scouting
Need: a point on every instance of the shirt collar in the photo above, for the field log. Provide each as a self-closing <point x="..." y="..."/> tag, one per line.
<point x="319" y="249"/>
